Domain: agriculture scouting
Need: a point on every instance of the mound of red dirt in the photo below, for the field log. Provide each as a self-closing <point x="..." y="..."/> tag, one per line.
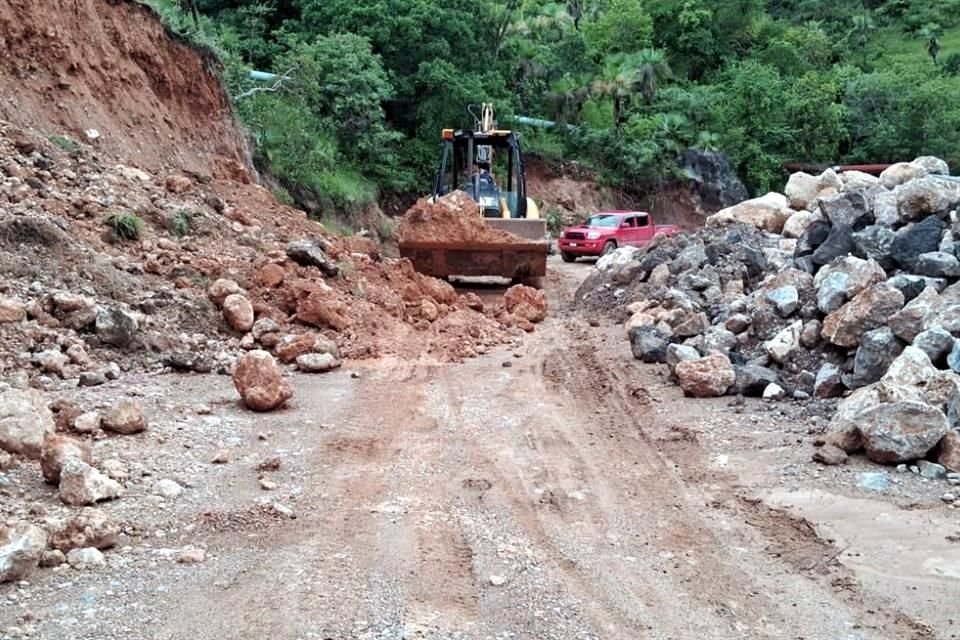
<point x="453" y="218"/>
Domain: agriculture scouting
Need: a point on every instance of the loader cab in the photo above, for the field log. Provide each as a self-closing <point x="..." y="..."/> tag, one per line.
<point x="486" y="165"/>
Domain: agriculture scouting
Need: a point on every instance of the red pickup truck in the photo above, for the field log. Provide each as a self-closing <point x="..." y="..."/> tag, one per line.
<point x="608" y="230"/>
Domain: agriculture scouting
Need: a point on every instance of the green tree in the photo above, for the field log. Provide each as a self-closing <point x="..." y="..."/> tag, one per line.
<point x="623" y="27"/>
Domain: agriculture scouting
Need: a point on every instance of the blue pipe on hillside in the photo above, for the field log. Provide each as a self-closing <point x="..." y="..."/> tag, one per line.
<point x="538" y="122"/>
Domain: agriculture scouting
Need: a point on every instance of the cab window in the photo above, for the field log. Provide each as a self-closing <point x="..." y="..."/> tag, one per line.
<point x="643" y="221"/>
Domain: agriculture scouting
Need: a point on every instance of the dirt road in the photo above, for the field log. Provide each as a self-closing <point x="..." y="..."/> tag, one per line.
<point x="553" y="492"/>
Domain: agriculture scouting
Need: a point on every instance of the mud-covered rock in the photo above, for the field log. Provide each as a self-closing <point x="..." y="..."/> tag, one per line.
<point x="223" y="288"/>
<point x="125" y="418"/>
<point x="526" y="302"/>
<point x="830" y="455"/>
<point x="707" y="377"/>
<point x="926" y="196"/>
<point x="238" y="312"/>
<point x="90" y="528"/>
<point x="259" y="382"/>
<point x="910" y="321"/>
<point x="949" y="451"/>
<point x="56" y="450"/>
<point x="869" y="310"/>
<point x="769" y="213"/>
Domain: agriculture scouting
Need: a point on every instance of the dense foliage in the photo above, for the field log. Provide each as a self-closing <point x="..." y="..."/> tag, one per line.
<point x="372" y="82"/>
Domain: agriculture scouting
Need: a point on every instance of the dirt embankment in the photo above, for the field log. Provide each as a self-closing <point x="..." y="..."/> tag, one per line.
<point x="70" y="67"/>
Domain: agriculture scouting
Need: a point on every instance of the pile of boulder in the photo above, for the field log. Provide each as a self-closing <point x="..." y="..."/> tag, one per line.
<point x="845" y="286"/>
<point x="32" y="431"/>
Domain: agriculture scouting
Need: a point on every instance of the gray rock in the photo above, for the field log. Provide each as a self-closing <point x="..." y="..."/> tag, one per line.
<point x="916" y="239"/>
<point x="874" y="243"/>
<point x="830" y="455"/>
<point x="86" y="559"/>
<point x="829" y="383"/>
<point x="832" y="293"/>
<point x="717" y="340"/>
<point x="932" y="470"/>
<point x="936" y="343"/>
<point x="189" y="361"/>
<point x="877" y="351"/>
<point x="845" y="209"/>
<point x="838" y="243"/>
<point x="810" y="335"/>
<point x="895" y="432"/>
<point x="813" y="237"/>
<point x="932" y="165"/>
<point x="649" y="343"/>
<point x="92" y="379"/>
<point x="20" y="550"/>
<point x="752" y="380"/>
<point x="677" y="353"/>
<point x="937" y="264"/>
<point x="25" y="422"/>
<point x="910" y="321"/>
<point x="953" y="358"/>
<point x="911" y="286"/>
<point x="693" y="257"/>
<point x="926" y="196"/>
<point x="317" y="362"/>
<point x="785" y="300"/>
<point x="169" y="489"/>
<point x="308" y="254"/>
<point x="116" y="327"/>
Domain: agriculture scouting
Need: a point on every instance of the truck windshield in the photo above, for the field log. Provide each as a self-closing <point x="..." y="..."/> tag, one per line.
<point x="608" y="221"/>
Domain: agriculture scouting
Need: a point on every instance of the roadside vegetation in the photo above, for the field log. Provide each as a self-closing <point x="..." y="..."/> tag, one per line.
<point x="366" y="87"/>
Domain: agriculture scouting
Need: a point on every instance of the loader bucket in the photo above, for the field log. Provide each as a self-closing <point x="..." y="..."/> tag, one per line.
<point x="516" y="261"/>
<point x="531" y="229"/>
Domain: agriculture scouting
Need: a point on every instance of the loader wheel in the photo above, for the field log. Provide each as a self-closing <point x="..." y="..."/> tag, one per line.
<point x="609" y="248"/>
<point x="568" y="257"/>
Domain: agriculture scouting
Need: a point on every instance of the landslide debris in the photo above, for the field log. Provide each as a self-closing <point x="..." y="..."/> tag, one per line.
<point x="846" y="286"/>
<point x="453" y="219"/>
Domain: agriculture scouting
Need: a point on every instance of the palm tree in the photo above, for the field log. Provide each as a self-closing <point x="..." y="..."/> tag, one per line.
<point x="863" y="25"/>
<point x="626" y="75"/>
<point x="672" y="129"/>
<point x="932" y="34"/>
<point x="567" y="97"/>
<point x="651" y="68"/>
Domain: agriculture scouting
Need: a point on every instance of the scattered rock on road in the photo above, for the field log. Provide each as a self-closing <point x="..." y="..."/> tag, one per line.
<point x="259" y="382"/>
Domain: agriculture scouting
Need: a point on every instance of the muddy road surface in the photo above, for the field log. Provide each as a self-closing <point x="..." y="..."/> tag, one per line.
<point x="558" y="490"/>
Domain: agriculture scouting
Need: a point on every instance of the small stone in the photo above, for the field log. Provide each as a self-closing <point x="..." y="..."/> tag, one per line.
<point x="221" y="289"/>
<point x="785" y="300"/>
<point x="169" y="489"/>
<point x="56" y="450"/>
<point x="92" y="379"/>
<point x="317" y="362"/>
<point x="112" y="371"/>
<point x="238" y="312"/>
<point x="497" y="581"/>
<point x="222" y="457"/>
<point x="89" y="528"/>
<point x="949" y="497"/>
<point x="78" y="355"/>
<point x="125" y="418"/>
<point x="85" y="559"/>
<point x="81" y="484"/>
<point x="267" y="485"/>
<point x="830" y="455"/>
<point x="774" y="392"/>
<point x="87" y="423"/>
<point x="21" y="548"/>
<point x="931" y="470"/>
<point x="52" y="558"/>
<point x="115" y="469"/>
<point x="191" y="555"/>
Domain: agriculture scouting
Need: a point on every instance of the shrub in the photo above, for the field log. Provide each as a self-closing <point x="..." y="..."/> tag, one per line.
<point x="65" y="143"/>
<point x="126" y="226"/>
<point x="181" y="223"/>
